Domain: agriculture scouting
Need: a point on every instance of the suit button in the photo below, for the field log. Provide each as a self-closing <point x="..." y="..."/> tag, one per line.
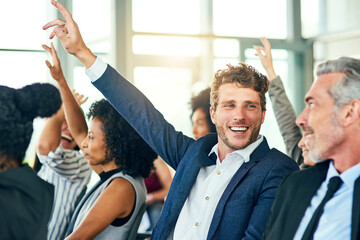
<point x="207" y="198"/>
<point x="197" y="224"/>
<point x="218" y="172"/>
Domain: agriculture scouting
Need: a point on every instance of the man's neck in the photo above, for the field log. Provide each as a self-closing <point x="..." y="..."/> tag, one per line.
<point x="347" y="157"/>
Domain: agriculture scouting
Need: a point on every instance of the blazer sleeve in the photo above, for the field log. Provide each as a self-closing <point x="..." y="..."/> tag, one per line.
<point x="271" y="182"/>
<point x="170" y="144"/>
<point x="286" y="117"/>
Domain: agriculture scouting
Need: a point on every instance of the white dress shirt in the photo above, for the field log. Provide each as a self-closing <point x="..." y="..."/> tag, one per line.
<point x="335" y="222"/>
<point x="197" y="213"/>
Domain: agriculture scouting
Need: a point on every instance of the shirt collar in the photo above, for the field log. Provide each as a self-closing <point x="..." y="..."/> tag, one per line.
<point x="348" y="177"/>
<point x="243" y="153"/>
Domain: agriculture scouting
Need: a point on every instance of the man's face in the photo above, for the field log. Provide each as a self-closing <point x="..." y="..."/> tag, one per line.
<point x="237" y="118"/>
<point x="321" y="128"/>
<point x="67" y="141"/>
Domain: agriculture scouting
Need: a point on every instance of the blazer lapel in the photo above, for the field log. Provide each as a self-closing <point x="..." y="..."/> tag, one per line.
<point x="316" y="175"/>
<point x="255" y="157"/>
<point x="355" y="221"/>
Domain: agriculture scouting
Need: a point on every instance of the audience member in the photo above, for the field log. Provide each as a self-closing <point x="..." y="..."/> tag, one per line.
<point x="322" y="202"/>
<point x="200" y="115"/>
<point x="25" y="199"/>
<point x="224" y="185"/>
<point x="65" y="167"/>
<point x="283" y="110"/>
<point x="110" y="208"/>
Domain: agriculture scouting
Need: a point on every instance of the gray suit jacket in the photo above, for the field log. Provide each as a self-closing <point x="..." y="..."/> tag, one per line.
<point x="286" y="117"/>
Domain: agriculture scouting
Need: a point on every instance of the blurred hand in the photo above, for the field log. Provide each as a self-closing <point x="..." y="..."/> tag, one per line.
<point x="264" y="53"/>
<point x="69" y="34"/>
<point x="55" y="70"/>
<point x="79" y="97"/>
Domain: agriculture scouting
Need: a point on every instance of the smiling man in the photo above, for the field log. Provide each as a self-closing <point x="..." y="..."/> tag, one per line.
<point x="308" y="205"/>
<point x="224" y="184"/>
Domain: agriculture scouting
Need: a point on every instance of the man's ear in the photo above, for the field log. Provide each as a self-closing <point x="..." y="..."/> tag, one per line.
<point x="212" y="115"/>
<point x="350" y="113"/>
<point x="263" y="116"/>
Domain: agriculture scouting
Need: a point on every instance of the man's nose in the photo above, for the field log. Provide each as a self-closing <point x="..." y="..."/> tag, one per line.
<point x="301" y="120"/>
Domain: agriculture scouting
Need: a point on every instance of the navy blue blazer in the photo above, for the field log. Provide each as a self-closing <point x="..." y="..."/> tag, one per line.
<point x="243" y="208"/>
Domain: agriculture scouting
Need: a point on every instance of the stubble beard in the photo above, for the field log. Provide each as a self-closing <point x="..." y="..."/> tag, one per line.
<point x="320" y="152"/>
<point x="253" y="136"/>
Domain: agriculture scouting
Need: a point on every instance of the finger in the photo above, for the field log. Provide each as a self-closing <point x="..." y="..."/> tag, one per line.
<point x="48" y="64"/>
<point x="63" y="10"/>
<point x="60" y="33"/>
<point x="46" y="48"/>
<point x="259" y="50"/>
<point x="57" y="22"/>
<point x="265" y="42"/>
<point x="85" y="100"/>
<point x="54" y="55"/>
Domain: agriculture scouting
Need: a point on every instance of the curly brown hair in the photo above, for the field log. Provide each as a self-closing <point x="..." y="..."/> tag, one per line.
<point x="242" y="75"/>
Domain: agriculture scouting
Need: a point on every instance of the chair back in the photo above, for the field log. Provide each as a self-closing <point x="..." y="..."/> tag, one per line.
<point x="136" y="224"/>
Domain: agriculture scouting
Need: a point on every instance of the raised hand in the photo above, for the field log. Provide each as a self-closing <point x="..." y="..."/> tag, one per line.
<point x="55" y="70"/>
<point x="69" y="34"/>
<point x="264" y="53"/>
<point x="79" y="97"/>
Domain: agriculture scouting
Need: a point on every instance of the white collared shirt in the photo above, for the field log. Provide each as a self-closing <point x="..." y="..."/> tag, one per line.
<point x="197" y="213"/>
<point x="335" y="222"/>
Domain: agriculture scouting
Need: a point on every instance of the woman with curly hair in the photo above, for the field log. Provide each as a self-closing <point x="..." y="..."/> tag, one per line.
<point x="25" y="199"/>
<point x="109" y="209"/>
<point x="200" y="114"/>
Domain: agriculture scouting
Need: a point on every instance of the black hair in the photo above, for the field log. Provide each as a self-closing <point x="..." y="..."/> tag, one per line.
<point x="18" y="108"/>
<point x="131" y="153"/>
<point x="202" y="101"/>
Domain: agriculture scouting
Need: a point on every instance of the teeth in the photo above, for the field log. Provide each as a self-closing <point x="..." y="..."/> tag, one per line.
<point x="238" y="129"/>
<point x="67" y="138"/>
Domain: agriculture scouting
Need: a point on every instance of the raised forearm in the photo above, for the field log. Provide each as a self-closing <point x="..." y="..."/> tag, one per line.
<point x="50" y="137"/>
<point x="73" y="113"/>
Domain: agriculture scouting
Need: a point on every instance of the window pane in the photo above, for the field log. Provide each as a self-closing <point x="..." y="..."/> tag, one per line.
<point x="310" y="24"/>
<point x="328" y="17"/>
<point x="166" y="16"/>
<point x="22" y="22"/>
<point x="94" y="21"/>
<point x="169" y="90"/>
<point x="170" y="46"/>
<point x="19" y="69"/>
<point x="226" y="48"/>
<point x="250" y="18"/>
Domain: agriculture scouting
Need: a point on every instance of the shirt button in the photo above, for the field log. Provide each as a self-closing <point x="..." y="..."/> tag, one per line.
<point x="197" y="224"/>
<point x="218" y="172"/>
<point x="207" y="198"/>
